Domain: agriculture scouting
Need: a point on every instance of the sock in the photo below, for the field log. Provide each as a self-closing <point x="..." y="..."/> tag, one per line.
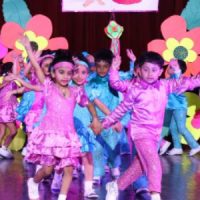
<point x="88" y="185"/>
<point x="62" y="197"/>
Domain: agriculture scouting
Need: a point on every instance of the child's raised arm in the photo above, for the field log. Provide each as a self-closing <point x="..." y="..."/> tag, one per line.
<point x="32" y="58"/>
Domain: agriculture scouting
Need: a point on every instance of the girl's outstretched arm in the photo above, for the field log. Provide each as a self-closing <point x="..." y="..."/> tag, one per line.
<point x="27" y="85"/>
<point x="32" y="58"/>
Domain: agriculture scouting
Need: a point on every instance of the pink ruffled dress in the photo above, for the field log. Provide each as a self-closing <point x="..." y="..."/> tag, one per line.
<point x="55" y="142"/>
<point x="8" y="107"/>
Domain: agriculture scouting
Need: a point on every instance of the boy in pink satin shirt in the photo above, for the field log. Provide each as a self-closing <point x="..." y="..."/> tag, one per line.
<point x="146" y="98"/>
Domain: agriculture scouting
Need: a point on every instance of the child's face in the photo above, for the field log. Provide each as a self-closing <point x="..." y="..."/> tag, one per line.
<point x="173" y="67"/>
<point x="45" y="66"/>
<point x="102" y="68"/>
<point x="80" y="75"/>
<point x="150" y="72"/>
<point x="62" y="75"/>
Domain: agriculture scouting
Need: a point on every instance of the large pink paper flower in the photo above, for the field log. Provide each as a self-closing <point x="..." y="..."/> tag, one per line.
<point x="38" y="30"/>
<point x="3" y="50"/>
<point x="178" y="43"/>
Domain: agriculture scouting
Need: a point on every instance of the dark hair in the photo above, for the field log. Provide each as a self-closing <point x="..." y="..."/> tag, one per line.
<point x="46" y="53"/>
<point x="82" y="58"/>
<point x="182" y="65"/>
<point x="34" y="46"/>
<point x="151" y="57"/>
<point x="104" y="55"/>
<point x="61" y="56"/>
<point x="6" y="68"/>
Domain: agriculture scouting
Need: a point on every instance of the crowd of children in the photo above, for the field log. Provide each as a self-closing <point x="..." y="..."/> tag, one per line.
<point x="74" y="116"/>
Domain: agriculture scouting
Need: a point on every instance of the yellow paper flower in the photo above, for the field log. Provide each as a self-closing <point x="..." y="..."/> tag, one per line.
<point x="179" y="43"/>
<point x="180" y="50"/>
<point x="40" y="41"/>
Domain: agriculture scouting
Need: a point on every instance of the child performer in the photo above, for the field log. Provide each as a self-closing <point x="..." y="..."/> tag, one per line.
<point x="177" y="103"/>
<point x="146" y="98"/>
<point x="82" y="119"/>
<point x="107" y="145"/>
<point x="54" y="144"/>
<point x="8" y="104"/>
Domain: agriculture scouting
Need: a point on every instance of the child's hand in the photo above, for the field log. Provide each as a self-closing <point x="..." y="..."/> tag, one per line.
<point x="96" y="126"/>
<point x="116" y="62"/>
<point x="118" y="127"/>
<point x="25" y="42"/>
<point x="130" y="55"/>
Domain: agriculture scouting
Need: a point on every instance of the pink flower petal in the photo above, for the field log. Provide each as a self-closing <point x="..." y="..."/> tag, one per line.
<point x="9" y="56"/>
<point x="194" y="34"/>
<point x="58" y="43"/>
<point x="194" y="67"/>
<point x="10" y="32"/>
<point x="174" y="26"/>
<point x="40" y="25"/>
<point x="157" y="46"/>
<point x="3" y="51"/>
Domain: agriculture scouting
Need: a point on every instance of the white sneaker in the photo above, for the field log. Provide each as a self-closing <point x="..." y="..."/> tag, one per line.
<point x="33" y="191"/>
<point x="175" y="151"/>
<point x="91" y="194"/>
<point x="115" y="172"/>
<point x="112" y="191"/>
<point x="164" y="147"/>
<point x="155" y="197"/>
<point x="194" y="151"/>
<point x="5" y="152"/>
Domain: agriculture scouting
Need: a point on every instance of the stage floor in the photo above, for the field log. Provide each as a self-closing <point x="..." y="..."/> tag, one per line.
<point x="181" y="180"/>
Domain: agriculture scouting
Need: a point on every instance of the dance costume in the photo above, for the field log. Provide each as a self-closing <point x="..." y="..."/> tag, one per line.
<point x="55" y="142"/>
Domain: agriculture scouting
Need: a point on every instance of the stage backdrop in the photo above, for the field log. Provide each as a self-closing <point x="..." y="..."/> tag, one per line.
<point x="109" y="5"/>
<point x="85" y="31"/>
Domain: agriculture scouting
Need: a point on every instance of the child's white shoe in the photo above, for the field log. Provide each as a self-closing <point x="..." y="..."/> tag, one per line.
<point x="33" y="191"/>
<point x="5" y="152"/>
<point x="164" y="147"/>
<point x="175" y="151"/>
<point x="90" y="194"/>
<point x="112" y="191"/>
<point x="194" y="151"/>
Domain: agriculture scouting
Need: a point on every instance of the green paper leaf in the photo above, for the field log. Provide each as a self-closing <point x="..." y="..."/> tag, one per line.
<point x="16" y="11"/>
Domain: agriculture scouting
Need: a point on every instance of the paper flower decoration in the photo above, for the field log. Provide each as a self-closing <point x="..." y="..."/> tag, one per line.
<point x="196" y="120"/>
<point x="193" y="119"/>
<point x="3" y="50"/>
<point x="113" y="30"/>
<point x="178" y="43"/>
<point x="127" y="1"/>
<point x="11" y="32"/>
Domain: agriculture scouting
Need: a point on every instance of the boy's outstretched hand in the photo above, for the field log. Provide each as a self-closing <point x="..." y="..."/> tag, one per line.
<point x="96" y="126"/>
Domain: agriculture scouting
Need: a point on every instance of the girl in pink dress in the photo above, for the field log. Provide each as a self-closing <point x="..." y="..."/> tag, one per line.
<point x="54" y="144"/>
<point x="8" y="104"/>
